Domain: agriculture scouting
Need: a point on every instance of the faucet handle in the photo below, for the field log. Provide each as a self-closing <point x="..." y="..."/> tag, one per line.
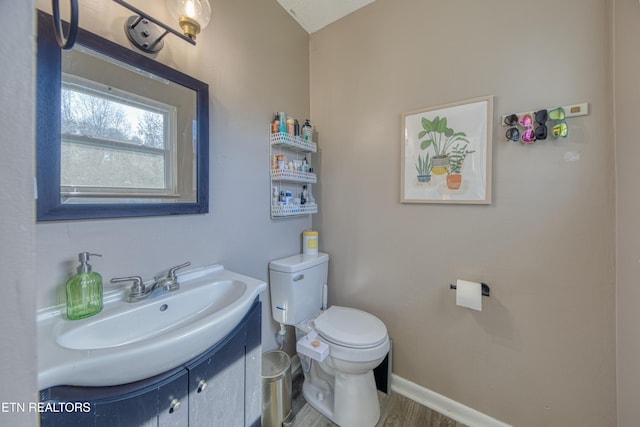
<point x="172" y="270"/>
<point x="137" y="287"/>
<point x="170" y="281"/>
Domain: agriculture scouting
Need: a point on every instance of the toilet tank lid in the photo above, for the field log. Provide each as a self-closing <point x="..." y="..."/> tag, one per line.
<point x="298" y="262"/>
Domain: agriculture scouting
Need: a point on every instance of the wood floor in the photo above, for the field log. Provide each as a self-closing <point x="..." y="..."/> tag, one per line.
<point x="395" y="411"/>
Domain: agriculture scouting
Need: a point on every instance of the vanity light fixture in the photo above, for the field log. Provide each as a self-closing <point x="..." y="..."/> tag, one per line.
<point x="143" y="32"/>
<point x="192" y="15"/>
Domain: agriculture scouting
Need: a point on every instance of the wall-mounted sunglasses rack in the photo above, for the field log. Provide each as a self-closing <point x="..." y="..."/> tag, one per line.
<point x="529" y="127"/>
<point x="573" y="110"/>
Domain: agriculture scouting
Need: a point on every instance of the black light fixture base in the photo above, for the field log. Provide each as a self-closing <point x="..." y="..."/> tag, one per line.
<point x="144" y="35"/>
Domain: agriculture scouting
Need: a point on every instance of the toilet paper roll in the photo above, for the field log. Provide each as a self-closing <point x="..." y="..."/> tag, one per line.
<point x="469" y="294"/>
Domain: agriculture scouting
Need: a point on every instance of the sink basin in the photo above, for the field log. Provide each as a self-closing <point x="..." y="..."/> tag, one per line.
<point x="128" y="342"/>
<point x="143" y="322"/>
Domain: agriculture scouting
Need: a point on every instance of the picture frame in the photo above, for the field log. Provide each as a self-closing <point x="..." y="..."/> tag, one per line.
<point x="446" y="153"/>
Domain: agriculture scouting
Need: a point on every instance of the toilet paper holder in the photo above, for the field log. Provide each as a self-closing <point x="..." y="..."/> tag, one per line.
<point x="486" y="291"/>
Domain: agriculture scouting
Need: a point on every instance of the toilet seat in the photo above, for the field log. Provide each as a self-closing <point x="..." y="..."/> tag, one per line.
<point x="350" y="327"/>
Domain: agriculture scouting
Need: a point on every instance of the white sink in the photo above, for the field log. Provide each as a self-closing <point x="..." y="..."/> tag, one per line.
<point x="128" y="342"/>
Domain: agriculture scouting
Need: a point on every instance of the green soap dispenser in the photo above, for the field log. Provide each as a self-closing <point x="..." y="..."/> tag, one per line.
<point x="84" y="290"/>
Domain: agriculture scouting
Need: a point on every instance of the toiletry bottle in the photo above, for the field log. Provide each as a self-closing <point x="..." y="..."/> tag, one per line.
<point x="307" y="131"/>
<point x="84" y="290"/>
<point x="275" y="124"/>
<point x="283" y="121"/>
<point x="310" y="199"/>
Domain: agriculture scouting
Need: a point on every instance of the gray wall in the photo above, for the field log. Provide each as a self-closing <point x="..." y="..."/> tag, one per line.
<point x="627" y="106"/>
<point x="17" y="228"/>
<point x="542" y="351"/>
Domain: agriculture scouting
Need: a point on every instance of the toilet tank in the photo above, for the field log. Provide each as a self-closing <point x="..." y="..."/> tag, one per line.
<point x="296" y="284"/>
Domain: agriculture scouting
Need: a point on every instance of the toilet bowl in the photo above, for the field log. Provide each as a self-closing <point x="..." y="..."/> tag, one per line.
<point x="341" y="386"/>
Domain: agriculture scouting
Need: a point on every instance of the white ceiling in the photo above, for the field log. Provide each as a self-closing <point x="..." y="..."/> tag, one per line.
<point x="313" y="15"/>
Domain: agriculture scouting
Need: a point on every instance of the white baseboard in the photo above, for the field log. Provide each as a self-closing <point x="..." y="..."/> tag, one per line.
<point x="449" y="407"/>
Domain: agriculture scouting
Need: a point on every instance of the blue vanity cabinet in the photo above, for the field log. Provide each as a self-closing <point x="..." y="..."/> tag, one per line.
<point x="221" y="387"/>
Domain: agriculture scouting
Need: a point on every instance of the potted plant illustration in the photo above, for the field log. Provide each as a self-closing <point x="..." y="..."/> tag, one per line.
<point x="423" y="166"/>
<point x="436" y="134"/>
<point x="456" y="160"/>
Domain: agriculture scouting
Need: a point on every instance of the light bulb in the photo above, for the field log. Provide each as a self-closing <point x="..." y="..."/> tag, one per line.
<point x="192" y="15"/>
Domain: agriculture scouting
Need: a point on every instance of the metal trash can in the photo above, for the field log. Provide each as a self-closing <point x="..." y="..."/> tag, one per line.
<point x="276" y="389"/>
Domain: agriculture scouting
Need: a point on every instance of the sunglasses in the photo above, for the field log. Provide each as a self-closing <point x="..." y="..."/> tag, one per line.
<point x="541" y="118"/>
<point x="560" y="128"/>
<point x="511" y="120"/>
<point x="528" y="135"/>
<point x="512" y="134"/>
<point x="557" y="114"/>
<point x="525" y="120"/>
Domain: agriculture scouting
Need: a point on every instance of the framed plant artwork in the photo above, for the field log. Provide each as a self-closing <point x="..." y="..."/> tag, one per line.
<point x="446" y="153"/>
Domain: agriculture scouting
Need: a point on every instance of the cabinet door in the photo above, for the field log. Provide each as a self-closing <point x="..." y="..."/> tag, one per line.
<point x="128" y="410"/>
<point x="173" y="404"/>
<point x="216" y="387"/>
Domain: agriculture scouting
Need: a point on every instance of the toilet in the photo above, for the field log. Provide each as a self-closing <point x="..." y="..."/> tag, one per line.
<point x="341" y="386"/>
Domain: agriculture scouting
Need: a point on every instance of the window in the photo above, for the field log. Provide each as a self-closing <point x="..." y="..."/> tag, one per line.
<point x="115" y="145"/>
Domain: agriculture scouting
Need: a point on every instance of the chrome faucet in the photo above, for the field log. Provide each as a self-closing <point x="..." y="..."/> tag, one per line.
<point x="140" y="290"/>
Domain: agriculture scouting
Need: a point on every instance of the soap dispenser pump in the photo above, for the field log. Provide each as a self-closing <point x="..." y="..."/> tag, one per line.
<point x="84" y="290"/>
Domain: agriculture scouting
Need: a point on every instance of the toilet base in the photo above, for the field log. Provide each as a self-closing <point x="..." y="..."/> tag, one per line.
<point x="353" y="401"/>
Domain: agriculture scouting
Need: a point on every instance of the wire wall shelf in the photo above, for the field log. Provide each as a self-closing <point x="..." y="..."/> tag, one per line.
<point x="293" y="176"/>
<point x="284" y="140"/>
